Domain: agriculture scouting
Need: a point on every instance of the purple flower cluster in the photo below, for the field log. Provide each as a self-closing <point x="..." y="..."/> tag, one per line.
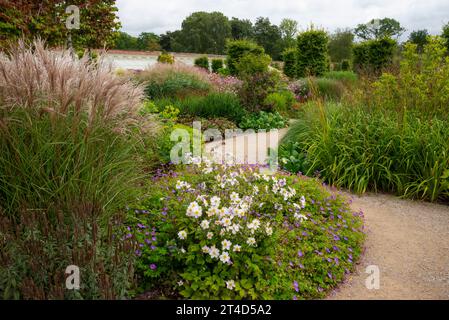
<point x="225" y="84"/>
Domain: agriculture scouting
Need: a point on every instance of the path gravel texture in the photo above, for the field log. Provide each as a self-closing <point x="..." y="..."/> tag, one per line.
<point x="409" y="242"/>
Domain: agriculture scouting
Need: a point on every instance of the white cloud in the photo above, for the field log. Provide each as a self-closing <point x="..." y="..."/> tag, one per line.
<point x="161" y="16"/>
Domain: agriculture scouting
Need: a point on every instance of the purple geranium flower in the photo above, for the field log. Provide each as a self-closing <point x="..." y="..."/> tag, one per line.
<point x="296" y="286"/>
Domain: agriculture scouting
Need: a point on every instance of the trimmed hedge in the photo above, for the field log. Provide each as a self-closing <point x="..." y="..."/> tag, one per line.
<point x="217" y="64"/>
<point x="374" y="55"/>
<point x="313" y="55"/>
<point x="237" y="49"/>
<point x="202" y="62"/>
<point x="289" y="57"/>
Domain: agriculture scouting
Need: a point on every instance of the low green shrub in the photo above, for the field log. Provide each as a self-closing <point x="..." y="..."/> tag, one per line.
<point x="236" y="49"/>
<point x="166" y="58"/>
<point x="215" y="232"/>
<point x="213" y="105"/>
<point x="216" y="65"/>
<point x="263" y="120"/>
<point x="250" y="64"/>
<point x="170" y="113"/>
<point x="281" y="101"/>
<point x="148" y="107"/>
<point x="202" y="62"/>
<point x="159" y="145"/>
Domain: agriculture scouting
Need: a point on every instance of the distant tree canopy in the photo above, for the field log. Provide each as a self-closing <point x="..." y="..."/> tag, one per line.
<point x="378" y="29"/>
<point x="289" y="31"/>
<point x="242" y="29"/>
<point x="420" y="38"/>
<point x="269" y="37"/>
<point x="47" y="19"/>
<point x="125" y="41"/>
<point x="204" y="32"/>
<point x="148" y="41"/>
<point x="341" y="45"/>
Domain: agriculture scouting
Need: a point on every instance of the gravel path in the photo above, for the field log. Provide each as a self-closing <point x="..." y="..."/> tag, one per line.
<point x="407" y="240"/>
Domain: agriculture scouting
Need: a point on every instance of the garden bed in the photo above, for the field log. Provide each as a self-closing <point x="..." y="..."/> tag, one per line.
<point x="214" y="232"/>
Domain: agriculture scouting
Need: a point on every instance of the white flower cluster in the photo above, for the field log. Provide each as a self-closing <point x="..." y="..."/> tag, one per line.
<point x="228" y="223"/>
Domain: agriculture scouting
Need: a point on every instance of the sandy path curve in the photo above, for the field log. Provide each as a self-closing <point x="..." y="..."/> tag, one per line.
<point x="409" y="242"/>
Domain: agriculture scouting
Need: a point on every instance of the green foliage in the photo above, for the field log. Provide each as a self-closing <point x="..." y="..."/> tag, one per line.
<point x="216" y="65"/>
<point x="204" y="32"/>
<point x="170" y="113"/>
<point x="269" y="37"/>
<point x="280" y="101"/>
<point x="148" y="41"/>
<point x="340" y="45"/>
<point x="250" y="64"/>
<point x="420" y="38"/>
<point x="378" y="29"/>
<point x="393" y="139"/>
<point x="292" y="158"/>
<point x="329" y="89"/>
<point x="237" y="49"/>
<point x="362" y="150"/>
<point x="289" y="58"/>
<point x="46" y="20"/>
<point x="60" y="188"/>
<point x="445" y="35"/>
<point x="289" y="30"/>
<point x="313" y="58"/>
<point x="241" y="29"/>
<point x="257" y="87"/>
<point x="421" y="84"/>
<point x="345" y="65"/>
<point x="223" y="105"/>
<point x="148" y="107"/>
<point x="263" y="120"/>
<point x="374" y="55"/>
<point x="347" y="77"/>
<point x="166" y="58"/>
<point x="188" y="210"/>
<point x="224" y="72"/>
<point x="202" y="62"/>
<point x="124" y="41"/>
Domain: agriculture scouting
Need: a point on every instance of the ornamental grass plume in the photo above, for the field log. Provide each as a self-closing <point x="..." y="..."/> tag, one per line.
<point x="35" y="77"/>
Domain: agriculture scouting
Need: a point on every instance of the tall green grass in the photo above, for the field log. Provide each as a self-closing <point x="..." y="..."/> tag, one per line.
<point x="347" y="77"/>
<point x="69" y="165"/>
<point x="374" y="150"/>
<point x="46" y="165"/>
<point x="213" y="105"/>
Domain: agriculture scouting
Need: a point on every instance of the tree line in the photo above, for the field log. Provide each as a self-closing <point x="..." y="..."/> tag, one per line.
<point x="204" y="32"/>
<point x="201" y="32"/>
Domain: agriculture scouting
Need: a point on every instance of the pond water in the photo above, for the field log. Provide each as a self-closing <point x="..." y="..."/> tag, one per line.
<point x="139" y="62"/>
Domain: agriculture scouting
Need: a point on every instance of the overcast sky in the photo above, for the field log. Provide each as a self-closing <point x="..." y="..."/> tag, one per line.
<point x="159" y="16"/>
